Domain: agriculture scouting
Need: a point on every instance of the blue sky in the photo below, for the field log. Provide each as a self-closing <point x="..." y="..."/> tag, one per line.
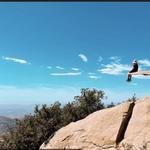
<point x="49" y="51"/>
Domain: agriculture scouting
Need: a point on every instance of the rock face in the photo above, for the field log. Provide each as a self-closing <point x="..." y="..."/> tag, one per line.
<point x="127" y="123"/>
<point x="138" y="130"/>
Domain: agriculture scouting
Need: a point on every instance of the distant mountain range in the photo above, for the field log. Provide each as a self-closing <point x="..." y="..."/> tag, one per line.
<point x="6" y="122"/>
<point x="16" y="110"/>
<point x="9" y="113"/>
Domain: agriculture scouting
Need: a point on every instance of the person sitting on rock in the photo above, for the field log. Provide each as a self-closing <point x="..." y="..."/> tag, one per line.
<point x="134" y="69"/>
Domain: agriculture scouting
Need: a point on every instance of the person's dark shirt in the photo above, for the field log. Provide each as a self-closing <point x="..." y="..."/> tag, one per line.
<point x="135" y="68"/>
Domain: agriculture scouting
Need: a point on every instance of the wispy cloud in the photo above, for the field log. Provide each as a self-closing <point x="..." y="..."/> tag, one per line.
<point x="49" y="67"/>
<point x="16" y="60"/>
<point x="83" y="57"/>
<point x="94" y="77"/>
<point x="114" y="68"/>
<point x="91" y="73"/>
<point x="141" y="77"/>
<point x="144" y="62"/>
<point x="58" y="67"/>
<point x="66" y="74"/>
<point x="116" y="59"/>
<point x="75" y="69"/>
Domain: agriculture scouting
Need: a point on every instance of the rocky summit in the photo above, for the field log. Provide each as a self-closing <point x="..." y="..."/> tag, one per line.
<point x="127" y="124"/>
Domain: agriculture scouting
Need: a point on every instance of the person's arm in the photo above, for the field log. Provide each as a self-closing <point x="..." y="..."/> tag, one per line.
<point x="132" y="68"/>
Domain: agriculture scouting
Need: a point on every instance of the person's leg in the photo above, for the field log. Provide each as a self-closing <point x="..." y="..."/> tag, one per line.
<point x="129" y="77"/>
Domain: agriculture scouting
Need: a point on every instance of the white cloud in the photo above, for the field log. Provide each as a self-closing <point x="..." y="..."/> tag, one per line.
<point x="94" y="77"/>
<point x="16" y="60"/>
<point x="58" y="67"/>
<point x="66" y="74"/>
<point x="83" y="57"/>
<point x="144" y="62"/>
<point x="115" y="68"/>
<point x="75" y="69"/>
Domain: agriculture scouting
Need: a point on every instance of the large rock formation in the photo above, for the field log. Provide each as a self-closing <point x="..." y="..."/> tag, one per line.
<point x="127" y="123"/>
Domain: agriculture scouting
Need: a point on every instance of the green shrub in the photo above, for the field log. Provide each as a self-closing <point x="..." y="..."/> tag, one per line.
<point x="30" y="132"/>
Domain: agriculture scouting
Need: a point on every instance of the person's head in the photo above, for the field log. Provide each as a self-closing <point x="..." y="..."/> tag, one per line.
<point x="134" y="61"/>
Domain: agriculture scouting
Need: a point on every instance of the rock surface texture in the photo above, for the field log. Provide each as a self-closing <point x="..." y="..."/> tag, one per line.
<point x="110" y="129"/>
<point x="138" y="131"/>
